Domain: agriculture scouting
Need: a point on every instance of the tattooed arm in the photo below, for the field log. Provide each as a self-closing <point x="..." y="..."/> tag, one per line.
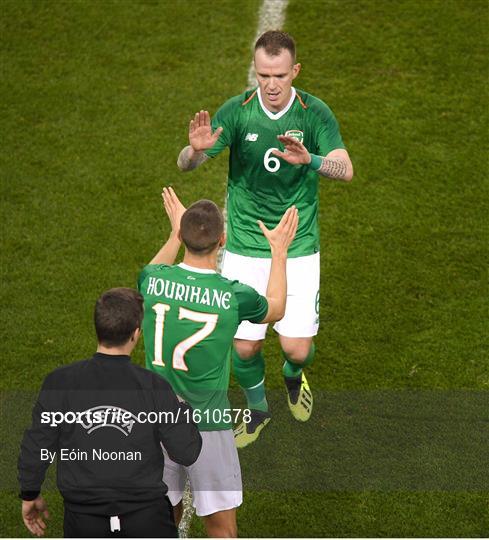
<point x="189" y="159"/>
<point x="336" y="164"/>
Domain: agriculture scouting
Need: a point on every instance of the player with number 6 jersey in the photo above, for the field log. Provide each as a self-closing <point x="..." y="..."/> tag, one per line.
<point x="191" y="314"/>
<point x="260" y="185"/>
<point x="280" y="139"/>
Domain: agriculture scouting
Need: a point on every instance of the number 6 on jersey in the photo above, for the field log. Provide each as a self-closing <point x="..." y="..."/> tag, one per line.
<point x="271" y="164"/>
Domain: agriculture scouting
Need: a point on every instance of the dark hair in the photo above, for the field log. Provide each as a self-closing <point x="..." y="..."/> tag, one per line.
<point x="118" y="312"/>
<point x="201" y="227"/>
<point x="274" y="41"/>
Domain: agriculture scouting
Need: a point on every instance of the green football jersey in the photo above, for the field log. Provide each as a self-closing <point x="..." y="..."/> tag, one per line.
<point x="262" y="186"/>
<point x="190" y="318"/>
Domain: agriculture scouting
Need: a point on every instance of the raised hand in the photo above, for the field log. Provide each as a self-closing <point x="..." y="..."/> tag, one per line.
<point x="281" y="237"/>
<point x="173" y="207"/>
<point x="295" y="152"/>
<point x="200" y="133"/>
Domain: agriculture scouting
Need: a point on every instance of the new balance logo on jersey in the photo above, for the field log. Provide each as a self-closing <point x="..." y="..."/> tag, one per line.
<point x="251" y="137"/>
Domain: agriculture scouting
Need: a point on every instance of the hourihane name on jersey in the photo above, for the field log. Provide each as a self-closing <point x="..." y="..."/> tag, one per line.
<point x="188" y="293"/>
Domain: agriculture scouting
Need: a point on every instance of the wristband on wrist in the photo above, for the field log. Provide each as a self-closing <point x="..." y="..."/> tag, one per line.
<point x="316" y="162"/>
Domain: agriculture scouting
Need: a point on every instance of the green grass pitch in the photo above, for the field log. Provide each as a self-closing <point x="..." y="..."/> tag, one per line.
<point x="95" y="102"/>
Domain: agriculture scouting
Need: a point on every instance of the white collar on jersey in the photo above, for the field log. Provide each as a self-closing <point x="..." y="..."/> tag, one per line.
<point x="198" y="270"/>
<point x="276" y="116"/>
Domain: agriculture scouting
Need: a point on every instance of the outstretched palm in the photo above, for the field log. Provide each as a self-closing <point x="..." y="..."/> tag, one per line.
<point x="281" y="237"/>
<point x="200" y="132"/>
<point x="295" y="152"/>
<point x="174" y="208"/>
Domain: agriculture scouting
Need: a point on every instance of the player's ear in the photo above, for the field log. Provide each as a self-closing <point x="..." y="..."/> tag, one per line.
<point x="136" y="335"/>
<point x="296" y="70"/>
<point x="179" y="235"/>
<point x="222" y="240"/>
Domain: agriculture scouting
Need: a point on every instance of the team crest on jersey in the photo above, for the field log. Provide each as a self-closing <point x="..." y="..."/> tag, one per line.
<point x="296" y="133"/>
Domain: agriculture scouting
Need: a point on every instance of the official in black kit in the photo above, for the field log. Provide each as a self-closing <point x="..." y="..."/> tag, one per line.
<point x="104" y="419"/>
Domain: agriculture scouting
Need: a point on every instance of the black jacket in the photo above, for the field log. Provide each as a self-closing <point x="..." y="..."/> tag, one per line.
<point x="109" y="457"/>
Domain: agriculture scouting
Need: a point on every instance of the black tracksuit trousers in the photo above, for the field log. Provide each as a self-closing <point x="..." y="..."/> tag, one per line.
<point x="154" y="521"/>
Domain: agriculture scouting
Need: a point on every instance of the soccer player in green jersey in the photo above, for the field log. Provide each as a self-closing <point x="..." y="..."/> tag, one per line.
<point x="191" y="314"/>
<point x="280" y="139"/>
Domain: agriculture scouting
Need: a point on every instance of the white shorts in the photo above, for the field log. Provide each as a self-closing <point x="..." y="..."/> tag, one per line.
<point x="301" y="317"/>
<point x="215" y="478"/>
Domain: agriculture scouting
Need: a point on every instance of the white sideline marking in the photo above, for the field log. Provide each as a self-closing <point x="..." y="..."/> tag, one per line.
<point x="271" y="17"/>
<point x="188" y="512"/>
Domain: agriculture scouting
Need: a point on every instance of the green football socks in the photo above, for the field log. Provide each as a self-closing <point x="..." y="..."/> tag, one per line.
<point x="294" y="370"/>
<point x="250" y="374"/>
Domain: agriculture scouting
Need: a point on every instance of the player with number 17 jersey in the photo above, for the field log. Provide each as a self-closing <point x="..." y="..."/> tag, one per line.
<point x="191" y="316"/>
